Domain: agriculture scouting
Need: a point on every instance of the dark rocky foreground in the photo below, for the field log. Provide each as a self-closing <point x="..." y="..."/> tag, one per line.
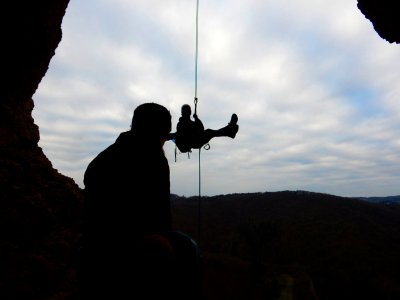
<point x="40" y="208"/>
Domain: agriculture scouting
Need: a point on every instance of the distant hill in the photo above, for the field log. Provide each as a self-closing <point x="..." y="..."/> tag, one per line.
<point x="388" y="200"/>
<point x="176" y="198"/>
<point x="300" y="244"/>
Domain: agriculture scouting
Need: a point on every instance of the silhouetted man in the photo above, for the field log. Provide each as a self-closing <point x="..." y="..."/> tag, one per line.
<point x="127" y="192"/>
<point x="191" y="134"/>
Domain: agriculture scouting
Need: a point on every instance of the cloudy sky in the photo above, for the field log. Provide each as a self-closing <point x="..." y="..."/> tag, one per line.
<point x="315" y="88"/>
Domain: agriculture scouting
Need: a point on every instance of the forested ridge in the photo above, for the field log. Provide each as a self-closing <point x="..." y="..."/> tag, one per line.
<point x="389" y="199"/>
<point x="294" y="244"/>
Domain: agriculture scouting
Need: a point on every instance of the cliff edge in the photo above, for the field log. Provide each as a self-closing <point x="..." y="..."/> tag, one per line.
<point x="384" y="15"/>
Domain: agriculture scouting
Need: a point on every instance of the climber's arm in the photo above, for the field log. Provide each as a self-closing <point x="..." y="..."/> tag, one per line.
<point x="199" y="124"/>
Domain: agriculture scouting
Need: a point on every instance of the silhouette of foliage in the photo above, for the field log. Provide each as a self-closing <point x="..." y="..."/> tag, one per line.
<point x="298" y="244"/>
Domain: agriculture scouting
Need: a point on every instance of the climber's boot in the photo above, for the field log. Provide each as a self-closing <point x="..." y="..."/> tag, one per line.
<point x="231" y="129"/>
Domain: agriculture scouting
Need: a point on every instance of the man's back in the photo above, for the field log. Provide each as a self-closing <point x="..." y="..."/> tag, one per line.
<point x="127" y="192"/>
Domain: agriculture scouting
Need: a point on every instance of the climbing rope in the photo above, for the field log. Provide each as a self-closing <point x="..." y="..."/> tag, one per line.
<point x="199" y="194"/>
<point x="195" y="102"/>
<point x="197" y="51"/>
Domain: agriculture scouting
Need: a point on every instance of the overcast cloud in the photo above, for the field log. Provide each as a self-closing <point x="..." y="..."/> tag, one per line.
<point x="315" y="88"/>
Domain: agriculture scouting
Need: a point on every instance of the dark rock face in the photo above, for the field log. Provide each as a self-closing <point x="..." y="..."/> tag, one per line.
<point x="40" y="209"/>
<point x="384" y="15"/>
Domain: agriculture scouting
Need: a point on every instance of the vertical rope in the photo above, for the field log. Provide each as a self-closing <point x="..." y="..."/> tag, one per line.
<point x="199" y="194"/>
<point x="197" y="51"/>
<point x="195" y="103"/>
<point x="195" y="111"/>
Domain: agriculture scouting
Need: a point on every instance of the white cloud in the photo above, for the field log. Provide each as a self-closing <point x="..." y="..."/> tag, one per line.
<point x="314" y="87"/>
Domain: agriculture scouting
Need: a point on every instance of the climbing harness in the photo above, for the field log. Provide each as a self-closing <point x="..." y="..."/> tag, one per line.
<point x="176" y="150"/>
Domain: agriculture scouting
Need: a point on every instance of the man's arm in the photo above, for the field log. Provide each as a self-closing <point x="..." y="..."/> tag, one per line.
<point x="198" y="123"/>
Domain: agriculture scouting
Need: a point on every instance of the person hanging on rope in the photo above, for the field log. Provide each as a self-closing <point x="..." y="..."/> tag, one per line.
<point x="191" y="134"/>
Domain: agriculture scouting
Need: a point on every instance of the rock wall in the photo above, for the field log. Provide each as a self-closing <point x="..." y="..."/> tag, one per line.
<point x="385" y="17"/>
<point x="40" y="209"/>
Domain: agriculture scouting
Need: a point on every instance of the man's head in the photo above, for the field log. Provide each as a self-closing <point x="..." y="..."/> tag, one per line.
<point x="151" y="120"/>
<point x="186" y="110"/>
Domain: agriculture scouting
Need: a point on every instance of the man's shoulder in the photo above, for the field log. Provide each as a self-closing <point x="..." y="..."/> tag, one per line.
<point x="108" y="159"/>
<point x="121" y="144"/>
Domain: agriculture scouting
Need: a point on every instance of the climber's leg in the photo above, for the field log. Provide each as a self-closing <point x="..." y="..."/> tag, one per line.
<point x="229" y="131"/>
